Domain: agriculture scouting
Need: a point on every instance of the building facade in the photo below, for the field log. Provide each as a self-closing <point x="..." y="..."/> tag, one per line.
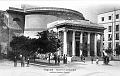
<point x="111" y="21"/>
<point x="78" y="35"/>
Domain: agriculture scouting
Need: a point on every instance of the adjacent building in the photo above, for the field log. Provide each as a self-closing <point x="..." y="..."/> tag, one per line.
<point x="111" y="21"/>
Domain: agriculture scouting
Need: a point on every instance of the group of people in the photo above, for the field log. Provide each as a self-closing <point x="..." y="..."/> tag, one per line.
<point x="22" y="60"/>
<point x="57" y="59"/>
<point x="105" y="60"/>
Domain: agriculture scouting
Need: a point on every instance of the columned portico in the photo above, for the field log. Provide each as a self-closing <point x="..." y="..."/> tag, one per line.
<point x="81" y="41"/>
<point x="73" y="43"/>
<point x="101" y="45"/>
<point x="88" y="42"/>
<point x="65" y="42"/>
<point x="95" y="44"/>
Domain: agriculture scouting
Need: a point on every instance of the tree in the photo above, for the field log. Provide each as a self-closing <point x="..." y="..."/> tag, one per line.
<point x="49" y="40"/>
<point x="23" y="45"/>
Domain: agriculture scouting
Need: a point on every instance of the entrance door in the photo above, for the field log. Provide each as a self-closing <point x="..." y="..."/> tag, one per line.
<point x="77" y="50"/>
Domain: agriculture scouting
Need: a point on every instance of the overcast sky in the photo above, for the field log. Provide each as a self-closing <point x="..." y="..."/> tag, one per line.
<point x="89" y="8"/>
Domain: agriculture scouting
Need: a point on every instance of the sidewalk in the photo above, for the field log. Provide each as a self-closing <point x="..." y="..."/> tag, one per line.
<point x="81" y="69"/>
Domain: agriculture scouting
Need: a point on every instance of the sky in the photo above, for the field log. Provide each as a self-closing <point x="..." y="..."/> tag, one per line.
<point x="89" y="8"/>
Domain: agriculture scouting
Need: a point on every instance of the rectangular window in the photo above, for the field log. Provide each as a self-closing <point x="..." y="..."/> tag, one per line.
<point x="109" y="37"/>
<point x="109" y="28"/>
<point x="117" y="36"/>
<point x="109" y="17"/>
<point x="117" y="44"/>
<point x="117" y="16"/>
<point x="102" y="18"/>
<point x="117" y="27"/>
<point x="109" y="45"/>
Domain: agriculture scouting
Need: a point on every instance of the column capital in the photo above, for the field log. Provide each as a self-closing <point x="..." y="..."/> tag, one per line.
<point x="74" y="30"/>
<point x="65" y="30"/>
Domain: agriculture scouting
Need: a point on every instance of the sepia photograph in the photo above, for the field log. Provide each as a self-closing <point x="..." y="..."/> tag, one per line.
<point x="59" y="38"/>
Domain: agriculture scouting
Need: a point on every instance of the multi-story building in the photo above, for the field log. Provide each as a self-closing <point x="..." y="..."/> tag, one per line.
<point x="111" y="21"/>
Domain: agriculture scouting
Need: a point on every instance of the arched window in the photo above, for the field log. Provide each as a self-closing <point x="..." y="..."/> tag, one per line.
<point x="16" y="19"/>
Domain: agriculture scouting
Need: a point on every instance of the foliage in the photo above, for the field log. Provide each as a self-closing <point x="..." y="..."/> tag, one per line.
<point x="22" y="45"/>
<point x="118" y="50"/>
<point x="49" y="41"/>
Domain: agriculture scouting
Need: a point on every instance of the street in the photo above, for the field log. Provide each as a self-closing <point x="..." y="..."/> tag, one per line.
<point x="71" y="69"/>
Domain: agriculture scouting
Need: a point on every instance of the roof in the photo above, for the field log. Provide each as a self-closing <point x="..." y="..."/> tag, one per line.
<point x="45" y="9"/>
<point x="81" y="23"/>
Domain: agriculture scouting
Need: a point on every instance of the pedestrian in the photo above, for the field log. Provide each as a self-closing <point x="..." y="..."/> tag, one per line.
<point x="92" y="60"/>
<point x="58" y="59"/>
<point x="97" y="60"/>
<point x="49" y="57"/>
<point x="34" y="57"/>
<point x="64" y="59"/>
<point x="107" y="60"/>
<point x="23" y="61"/>
<point x="55" y="58"/>
<point x="28" y="61"/>
<point x="15" y="61"/>
<point x="21" y="58"/>
<point x="83" y="59"/>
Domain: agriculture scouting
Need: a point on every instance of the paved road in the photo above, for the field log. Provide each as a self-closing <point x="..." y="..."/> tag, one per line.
<point x="70" y="69"/>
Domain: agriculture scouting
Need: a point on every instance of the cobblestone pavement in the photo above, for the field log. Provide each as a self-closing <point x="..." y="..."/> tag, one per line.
<point x="70" y="69"/>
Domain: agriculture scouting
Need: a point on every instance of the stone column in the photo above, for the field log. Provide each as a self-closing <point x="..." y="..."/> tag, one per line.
<point x="65" y="42"/>
<point x="95" y="44"/>
<point x="101" y="44"/>
<point x="88" y="42"/>
<point x="81" y="41"/>
<point x="73" y="43"/>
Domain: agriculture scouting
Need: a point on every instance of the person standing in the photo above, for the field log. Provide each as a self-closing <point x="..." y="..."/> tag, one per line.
<point x="23" y="61"/>
<point x="97" y="60"/>
<point x="92" y="60"/>
<point x="58" y="59"/>
<point x="64" y="59"/>
<point x="49" y="57"/>
<point x="83" y="59"/>
<point x="21" y="58"/>
<point x="28" y="61"/>
<point x="15" y="61"/>
<point x="55" y="57"/>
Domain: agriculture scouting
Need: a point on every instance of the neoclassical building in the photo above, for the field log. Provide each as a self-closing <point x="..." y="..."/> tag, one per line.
<point x="78" y="35"/>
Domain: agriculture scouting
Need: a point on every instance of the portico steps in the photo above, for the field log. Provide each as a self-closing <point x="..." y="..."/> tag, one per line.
<point x="77" y="58"/>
